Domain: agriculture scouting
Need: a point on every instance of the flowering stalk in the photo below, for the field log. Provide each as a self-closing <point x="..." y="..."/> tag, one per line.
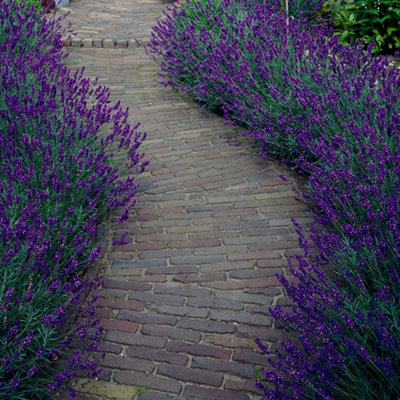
<point x="332" y="112"/>
<point x="57" y="183"/>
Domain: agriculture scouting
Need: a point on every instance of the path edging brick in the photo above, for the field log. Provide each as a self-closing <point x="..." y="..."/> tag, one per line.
<point x="108" y="43"/>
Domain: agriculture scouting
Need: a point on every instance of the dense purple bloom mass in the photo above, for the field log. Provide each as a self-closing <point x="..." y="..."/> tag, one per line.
<point x="332" y="112"/>
<point x="57" y="182"/>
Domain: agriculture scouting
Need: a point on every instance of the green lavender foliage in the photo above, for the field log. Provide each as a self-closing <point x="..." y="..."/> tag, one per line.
<point x="333" y="111"/>
<point x="58" y="180"/>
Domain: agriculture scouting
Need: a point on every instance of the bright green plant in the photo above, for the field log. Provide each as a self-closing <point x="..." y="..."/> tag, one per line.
<point x="36" y="3"/>
<point x="375" y="21"/>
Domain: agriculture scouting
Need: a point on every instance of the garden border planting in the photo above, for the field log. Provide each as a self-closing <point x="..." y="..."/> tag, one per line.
<point x="332" y="112"/>
<point x="59" y="133"/>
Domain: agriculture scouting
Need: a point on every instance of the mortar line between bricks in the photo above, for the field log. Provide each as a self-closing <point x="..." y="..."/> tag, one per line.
<point x="107" y="43"/>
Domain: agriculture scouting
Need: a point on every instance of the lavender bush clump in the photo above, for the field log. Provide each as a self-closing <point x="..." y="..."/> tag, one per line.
<point x="265" y="76"/>
<point x="57" y="182"/>
<point x="332" y="112"/>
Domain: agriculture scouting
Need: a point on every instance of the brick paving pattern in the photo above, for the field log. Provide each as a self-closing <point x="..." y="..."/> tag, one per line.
<point x="121" y="20"/>
<point x="182" y="300"/>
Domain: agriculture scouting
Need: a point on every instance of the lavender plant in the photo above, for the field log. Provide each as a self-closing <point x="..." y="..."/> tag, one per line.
<point x="258" y="64"/>
<point x="57" y="182"/>
<point x="332" y="112"/>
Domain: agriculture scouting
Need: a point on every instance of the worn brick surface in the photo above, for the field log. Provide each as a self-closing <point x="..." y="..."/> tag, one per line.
<point x="197" y="392"/>
<point x="198" y="349"/>
<point x="182" y="300"/>
<point x="157" y="355"/>
<point x="192" y="375"/>
<point x="243" y="370"/>
<point x="120" y="362"/>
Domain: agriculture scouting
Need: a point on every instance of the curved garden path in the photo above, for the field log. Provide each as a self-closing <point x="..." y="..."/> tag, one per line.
<point x="210" y="230"/>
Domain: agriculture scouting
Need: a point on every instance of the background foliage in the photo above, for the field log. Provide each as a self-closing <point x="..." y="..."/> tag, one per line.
<point x="376" y="21"/>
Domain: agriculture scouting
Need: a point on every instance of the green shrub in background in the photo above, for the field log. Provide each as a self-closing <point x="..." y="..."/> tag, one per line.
<point x="372" y="20"/>
<point x="36" y="3"/>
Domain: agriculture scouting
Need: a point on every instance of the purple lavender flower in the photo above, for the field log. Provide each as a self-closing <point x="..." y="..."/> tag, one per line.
<point x="332" y="112"/>
<point x="58" y="180"/>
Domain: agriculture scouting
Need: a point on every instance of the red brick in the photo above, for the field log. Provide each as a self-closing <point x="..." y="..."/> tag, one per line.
<point x="110" y="293"/>
<point x="145" y="380"/>
<point x="207" y="277"/>
<point x="191" y="375"/>
<point x="213" y="394"/>
<point x="227" y="285"/>
<point x="147" y="318"/>
<point x="229" y="341"/>
<point x="102" y="312"/>
<point x="157" y="355"/>
<point x="186" y="290"/>
<point x="246" y="371"/>
<point x="240" y="296"/>
<point x="254" y="331"/>
<point x="172" y="333"/>
<point x="236" y="212"/>
<point x="256" y="255"/>
<point x="135" y="364"/>
<point x="194" y="244"/>
<point x="206" y="325"/>
<point x="173" y="270"/>
<point x="194" y="312"/>
<point x="133" y="247"/>
<point x="157" y="211"/>
<point x="262" y="282"/>
<point x="158" y="298"/>
<point x="259" y="309"/>
<point x="231" y="266"/>
<point x="175" y="168"/>
<point x="269" y="291"/>
<point x="115" y="304"/>
<point x="241" y="225"/>
<point x="191" y="229"/>
<point x="273" y="182"/>
<point x="255" y="273"/>
<point x="149" y="278"/>
<point x="250" y="357"/>
<point x="217" y="234"/>
<point x="110" y="348"/>
<point x="273" y="263"/>
<point x="198" y="349"/>
<point x="138" y="339"/>
<point x="246" y="386"/>
<point x="124" y="285"/>
<point x="241" y="317"/>
<point x="117" y="325"/>
<point x="215" y="303"/>
<point x="162" y="237"/>
<point x="275" y="246"/>
<point x="150" y="395"/>
<point x="119" y="256"/>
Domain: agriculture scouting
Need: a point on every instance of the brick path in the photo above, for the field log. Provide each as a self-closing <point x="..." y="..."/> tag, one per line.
<point x="210" y="230"/>
<point x="116" y="20"/>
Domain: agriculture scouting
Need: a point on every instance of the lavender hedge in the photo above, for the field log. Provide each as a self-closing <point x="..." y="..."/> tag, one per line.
<point x="57" y="181"/>
<point x="332" y="112"/>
